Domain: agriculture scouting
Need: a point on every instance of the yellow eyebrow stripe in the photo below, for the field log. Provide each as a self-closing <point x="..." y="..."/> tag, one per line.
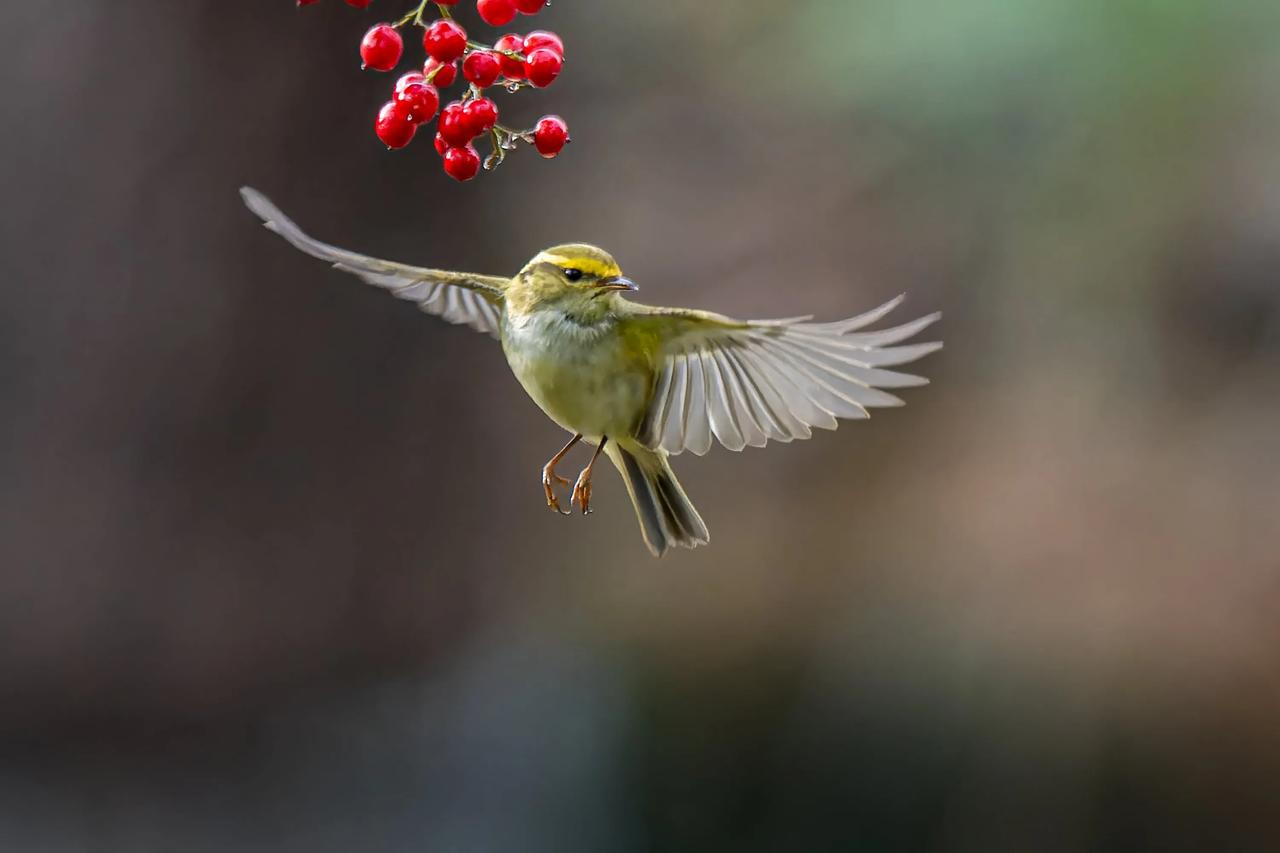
<point x="590" y="266"/>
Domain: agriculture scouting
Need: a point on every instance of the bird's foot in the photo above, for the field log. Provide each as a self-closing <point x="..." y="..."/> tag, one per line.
<point x="549" y="480"/>
<point x="582" y="492"/>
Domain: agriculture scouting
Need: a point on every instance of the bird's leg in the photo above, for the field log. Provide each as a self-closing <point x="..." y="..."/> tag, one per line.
<point x="582" y="488"/>
<point x="550" y="478"/>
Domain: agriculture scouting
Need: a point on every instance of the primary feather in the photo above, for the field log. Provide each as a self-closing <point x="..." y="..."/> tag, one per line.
<point x="461" y="298"/>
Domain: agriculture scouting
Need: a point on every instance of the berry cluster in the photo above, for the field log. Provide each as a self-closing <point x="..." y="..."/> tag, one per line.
<point x="514" y="62"/>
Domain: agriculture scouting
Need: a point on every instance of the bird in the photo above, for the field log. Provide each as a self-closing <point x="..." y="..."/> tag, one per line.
<point x="642" y="383"/>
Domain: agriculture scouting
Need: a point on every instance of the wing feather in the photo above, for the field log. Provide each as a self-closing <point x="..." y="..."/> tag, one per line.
<point x="719" y="408"/>
<point x="867" y="339"/>
<point x="697" y="417"/>
<point x="798" y="392"/>
<point x="744" y="383"/>
<point x="655" y="417"/>
<point x="677" y="403"/>
<point x="855" y="365"/>
<point x="471" y="300"/>
<point x="777" y="421"/>
<point x="820" y="390"/>
<point x="842" y="381"/>
<point x="753" y="432"/>
<point x="767" y="382"/>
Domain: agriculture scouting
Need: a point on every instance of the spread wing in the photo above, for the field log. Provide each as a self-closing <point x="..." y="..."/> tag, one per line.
<point x="745" y="382"/>
<point x="462" y="298"/>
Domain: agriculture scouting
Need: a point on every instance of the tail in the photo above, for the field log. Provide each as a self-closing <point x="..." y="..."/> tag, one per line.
<point x="667" y="518"/>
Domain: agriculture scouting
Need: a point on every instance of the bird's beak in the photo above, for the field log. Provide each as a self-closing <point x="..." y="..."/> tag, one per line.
<point x="617" y="282"/>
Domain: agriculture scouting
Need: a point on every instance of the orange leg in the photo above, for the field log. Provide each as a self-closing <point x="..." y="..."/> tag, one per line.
<point x="550" y="478"/>
<point x="582" y="488"/>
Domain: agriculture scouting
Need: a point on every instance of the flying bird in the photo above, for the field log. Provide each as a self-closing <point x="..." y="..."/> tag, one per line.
<point x="642" y="383"/>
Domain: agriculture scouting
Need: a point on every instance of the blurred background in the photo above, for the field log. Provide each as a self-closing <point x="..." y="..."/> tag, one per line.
<point x="275" y="570"/>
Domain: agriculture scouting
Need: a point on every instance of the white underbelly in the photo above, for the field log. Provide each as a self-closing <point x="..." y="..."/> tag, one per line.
<point x="577" y="376"/>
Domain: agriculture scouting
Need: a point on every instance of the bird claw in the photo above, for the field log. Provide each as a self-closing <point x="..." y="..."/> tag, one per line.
<point x="582" y="492"/>
<point x="549" y="480"/>
<point x="581" y="497"/>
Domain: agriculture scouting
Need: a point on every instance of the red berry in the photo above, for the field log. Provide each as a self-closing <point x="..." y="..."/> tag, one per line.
<point x="421" y="99"/>
<point x="543" y="38"/>
<point x="462" y="164"/>
<point x="441" y="75"/>
<point x="530" y="7"/>
<point x="406" y="79"/>
<point x="550" y="135"/>
<point x="393" y="125"/>
<point x="480" y="114"/>
<point x="359" y="4"/>
<point x="306" y="2"/>
<point x="381" y="48"/>
<point x="542" y="66"/>
<point x="445" y="40"/>
<point x="482" y="67"/>
<point x="441" y="145"/>
<point x="496" y="13"/>
<point x="454" y="126"/>
<point x="512" y="69"/>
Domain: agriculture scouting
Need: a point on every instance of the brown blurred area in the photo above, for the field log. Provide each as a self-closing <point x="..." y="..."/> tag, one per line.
<point x="275" y="571"/>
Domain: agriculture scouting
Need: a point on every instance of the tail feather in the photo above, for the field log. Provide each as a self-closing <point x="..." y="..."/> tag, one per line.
<point x="667" y="518"/>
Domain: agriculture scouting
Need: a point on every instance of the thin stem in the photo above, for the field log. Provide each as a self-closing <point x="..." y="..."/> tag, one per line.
<point x="509" y="54"/>
<point x="415" y="15"/>
<point x="493" y="160"/>
<point x="526" y="135"/>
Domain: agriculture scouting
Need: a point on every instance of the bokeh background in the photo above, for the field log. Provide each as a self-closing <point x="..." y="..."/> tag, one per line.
<point x="275" y="573"/>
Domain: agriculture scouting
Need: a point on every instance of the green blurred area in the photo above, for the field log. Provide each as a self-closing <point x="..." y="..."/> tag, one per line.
<point x="276" y="573"/>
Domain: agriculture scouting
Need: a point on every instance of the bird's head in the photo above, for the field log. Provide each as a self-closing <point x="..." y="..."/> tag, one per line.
<point x="575" y="277"/>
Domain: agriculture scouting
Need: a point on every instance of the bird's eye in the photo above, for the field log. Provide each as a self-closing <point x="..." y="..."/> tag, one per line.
<point x="572" y="274"/>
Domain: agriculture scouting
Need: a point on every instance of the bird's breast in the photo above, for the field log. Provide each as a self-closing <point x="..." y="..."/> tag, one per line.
<point x="581" y="375"/>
